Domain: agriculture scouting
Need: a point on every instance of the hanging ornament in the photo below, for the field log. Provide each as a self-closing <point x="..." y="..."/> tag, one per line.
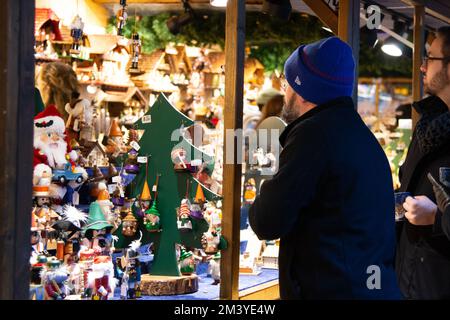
<point x="145" y="198"/>
<point x="250" y="191"/>
<point x="76" y="32"/>
<point x="135" y="50"/>
<point x="131" y="164"/>
<point x="122" y="17"/>
<point x="178" y="156"/>
<point x="183" y="222"/>
<point x="151" y="218"/>
<point x="211" y="240"/>
<point x="129" y="224"/>
<point x="197" y="206"/>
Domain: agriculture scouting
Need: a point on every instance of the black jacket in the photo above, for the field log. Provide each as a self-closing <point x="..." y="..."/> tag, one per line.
<point x="332" y="205"/>
<point x="423" y="252"/>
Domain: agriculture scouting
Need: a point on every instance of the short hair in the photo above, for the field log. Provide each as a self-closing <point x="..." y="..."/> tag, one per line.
<point x="444" y="34"/>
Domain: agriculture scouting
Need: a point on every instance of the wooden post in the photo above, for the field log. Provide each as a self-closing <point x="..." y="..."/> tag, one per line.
<point x="419" y="43"/>
<point x="348" y="31"/>
<point x="232" y="172"/>
<point x="324" y="13"/>
<point x="16" y="132"/>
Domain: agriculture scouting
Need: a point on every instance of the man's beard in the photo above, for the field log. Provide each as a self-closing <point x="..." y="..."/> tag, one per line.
<point x="437" y="83"/>
<point x="290" y="112"/>
<point x="55" y="151"/>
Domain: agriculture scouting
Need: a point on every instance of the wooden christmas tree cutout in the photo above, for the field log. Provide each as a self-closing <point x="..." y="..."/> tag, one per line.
<point x="161" y="125"/>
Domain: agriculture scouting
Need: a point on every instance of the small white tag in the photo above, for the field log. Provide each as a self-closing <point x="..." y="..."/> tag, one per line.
<point x="111" y="188"/>
<point x="135" y="145"/>
<point x="75" y="198"/>
<point x="122" y="194"/>
<point x="147" y="119"/>
<point x="154" y="188"/>
<point x="196" y="162"/>
<point x="142" y="159"/>
<point x="116" y="179"/>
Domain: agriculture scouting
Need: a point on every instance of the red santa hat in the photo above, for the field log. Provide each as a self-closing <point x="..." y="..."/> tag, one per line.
<point x="49" y="120"/>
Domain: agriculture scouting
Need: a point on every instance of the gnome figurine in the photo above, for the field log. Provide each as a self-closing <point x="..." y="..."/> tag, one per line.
<point x="186" y="262"/>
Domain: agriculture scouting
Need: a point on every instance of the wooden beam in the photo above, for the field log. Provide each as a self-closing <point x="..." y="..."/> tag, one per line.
<point x="428" y="10"/>
<point x="16" y="127"/>
<point x="232" y="172"/>
<point x="348" y="31"/>
<point x="419" y="43"/>
<point x="324" y="13"/>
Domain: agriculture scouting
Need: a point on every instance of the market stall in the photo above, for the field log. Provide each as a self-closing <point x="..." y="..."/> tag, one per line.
<point x="122" y="197"/>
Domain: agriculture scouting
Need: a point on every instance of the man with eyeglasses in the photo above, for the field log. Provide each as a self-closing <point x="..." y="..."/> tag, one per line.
<point x="423" y="252"/>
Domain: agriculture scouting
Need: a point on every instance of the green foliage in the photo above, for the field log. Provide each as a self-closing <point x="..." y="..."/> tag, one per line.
<point x="271" y="40"/>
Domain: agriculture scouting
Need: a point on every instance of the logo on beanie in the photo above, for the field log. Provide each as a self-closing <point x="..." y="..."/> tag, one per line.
<point x="297" y="81"/>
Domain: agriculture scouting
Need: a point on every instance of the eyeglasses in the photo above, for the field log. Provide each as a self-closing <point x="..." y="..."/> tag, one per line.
<point x="426" y="58"/>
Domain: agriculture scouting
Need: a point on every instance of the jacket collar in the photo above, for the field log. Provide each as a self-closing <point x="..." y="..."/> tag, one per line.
<point x="430" y="105"/>
<point x="335" y="103"/>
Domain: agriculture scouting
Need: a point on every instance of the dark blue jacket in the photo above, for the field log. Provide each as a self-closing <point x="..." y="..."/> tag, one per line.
<point x="331" y="204"/>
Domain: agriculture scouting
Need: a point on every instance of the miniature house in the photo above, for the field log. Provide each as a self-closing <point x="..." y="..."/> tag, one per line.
<point x="95" y="154"/>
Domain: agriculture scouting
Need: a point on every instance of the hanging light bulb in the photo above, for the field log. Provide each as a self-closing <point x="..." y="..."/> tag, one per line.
<point x="76" y="32"/>
<point x="121" y="17"/>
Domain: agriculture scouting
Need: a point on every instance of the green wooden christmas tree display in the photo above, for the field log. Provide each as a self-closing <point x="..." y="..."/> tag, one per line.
<point x="163" y="127"/>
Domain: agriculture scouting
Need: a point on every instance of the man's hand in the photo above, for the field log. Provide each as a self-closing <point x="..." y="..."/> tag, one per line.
<point x="420" y="210"/>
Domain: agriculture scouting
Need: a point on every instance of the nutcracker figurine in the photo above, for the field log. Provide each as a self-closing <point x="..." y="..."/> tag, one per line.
<point x="135" y="52"/>
<point x="76" y="32"/>
<point x="122" y="17"/>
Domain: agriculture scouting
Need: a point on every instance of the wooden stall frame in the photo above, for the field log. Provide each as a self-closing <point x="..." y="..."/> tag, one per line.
<point x="232" y="172"/>
<point x="16" y="127"/>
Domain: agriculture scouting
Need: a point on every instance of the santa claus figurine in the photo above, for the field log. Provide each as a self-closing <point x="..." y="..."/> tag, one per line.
<point x="51" y="146"/>
<point x="102" y="278"/>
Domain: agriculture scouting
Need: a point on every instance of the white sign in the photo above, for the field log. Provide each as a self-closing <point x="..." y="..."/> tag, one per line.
<point x="111" y="188"/>
<point x="116" y="179"/>
<point x="142" y="159"/>
<point x="147" y="119"/>
<point x="135" y="145"/>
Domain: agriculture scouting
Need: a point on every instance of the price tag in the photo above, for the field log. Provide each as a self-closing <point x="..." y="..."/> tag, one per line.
<point x="142" y="159"/>
<point x="154" y="188"/>
<point x="147" y="119"/>
<point x="111" y="188"/>
<point x="75" y="198"/>
<point x="135" y="145"/>
<point x="116" y="179"/>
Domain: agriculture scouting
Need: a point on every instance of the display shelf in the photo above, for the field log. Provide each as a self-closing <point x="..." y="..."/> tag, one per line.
<point x="264" y="286"/>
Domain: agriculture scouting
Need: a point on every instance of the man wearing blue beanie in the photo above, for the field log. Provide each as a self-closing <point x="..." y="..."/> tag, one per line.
<point x="331" y="202"/>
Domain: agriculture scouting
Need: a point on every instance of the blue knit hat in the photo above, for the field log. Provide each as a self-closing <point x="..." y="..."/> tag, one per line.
<point x="321" y="71"/>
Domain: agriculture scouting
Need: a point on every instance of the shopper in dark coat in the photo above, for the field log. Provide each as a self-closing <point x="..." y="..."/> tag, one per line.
<point x="423" y="253"/>
<point x="331" y="202"/>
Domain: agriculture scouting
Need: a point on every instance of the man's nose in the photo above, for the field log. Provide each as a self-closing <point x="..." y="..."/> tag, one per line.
<point x="55" y="137"/>
<point x="423" y="68"/>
